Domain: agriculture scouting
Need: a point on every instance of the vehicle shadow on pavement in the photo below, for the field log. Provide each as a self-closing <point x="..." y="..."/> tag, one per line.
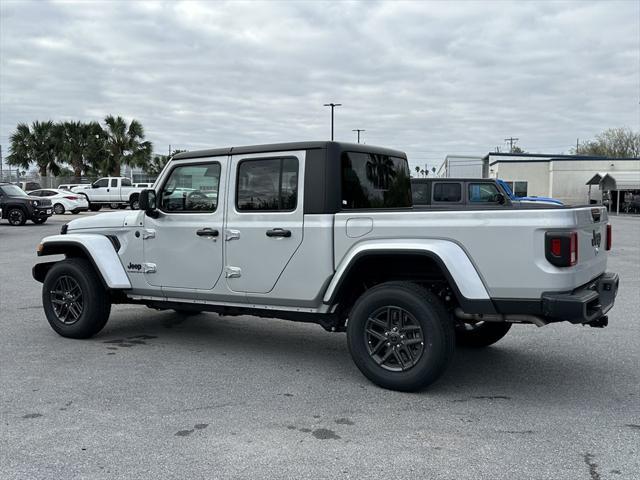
<point x="501" y="372"/>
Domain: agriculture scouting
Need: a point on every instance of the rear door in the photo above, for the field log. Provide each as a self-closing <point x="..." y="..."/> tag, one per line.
<point x="264" y="223"/>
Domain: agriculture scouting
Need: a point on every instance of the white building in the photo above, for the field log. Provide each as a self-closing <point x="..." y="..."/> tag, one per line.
<point x="565" y="177"/>
<point x="461" y="166"/>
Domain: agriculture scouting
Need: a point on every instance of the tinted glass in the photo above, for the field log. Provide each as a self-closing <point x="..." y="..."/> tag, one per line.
<point x="420" y="193"/>
<point x="447" y="192"/>
<point x="520" y="189"/>
<point x="191" y="188"/>
<point x="375" y="181"/>
<point x="114" y="182"/>
<point x="103" y="182"/>
<point x="13" y="191"/>
<point x="126" y="182"/>
<point x="482" y="192"/>
<point x="269" y="184"/>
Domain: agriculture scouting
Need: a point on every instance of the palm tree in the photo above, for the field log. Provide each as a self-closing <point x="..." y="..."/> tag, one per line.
<point x="422" y="172"/>
<point x="124" y="144"/>
<point x="380" y="171"/>
<point x="417" y="169"/>
<point x="36" y="144"/>
<point x="433" y="169"/>
<point x="73" y="142"/>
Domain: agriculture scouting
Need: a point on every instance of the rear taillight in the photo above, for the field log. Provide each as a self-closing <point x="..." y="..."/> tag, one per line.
<point x="71" y="198"/>
<point x="561" y="248"/>
<point x="609" y="239"/>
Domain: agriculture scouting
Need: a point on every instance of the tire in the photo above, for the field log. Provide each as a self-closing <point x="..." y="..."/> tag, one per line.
<point x="95" y="207"/>
<point x="425" y="352"/>
<point x="114" y="206"/>
<point x="86" y="320"/>
<point x="39" y="220"/>
<point x="16" y="217"/>
<point x="58" y="209"/>
<point x="134" y="203"/>
<point x="482" y="334"/>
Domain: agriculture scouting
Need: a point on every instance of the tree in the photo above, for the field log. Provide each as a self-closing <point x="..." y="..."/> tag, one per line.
<point x="74" y="140"/>
<point x="422" y="172"/>
<point x="417" y="170"/>
<point x="614" y="142"/>
<point x="36" y="144"/>
<point x="517" y="149"/>
<point x="433" y="170"/>
<point x="157" y="163"/>
<point x="125" y="145"/>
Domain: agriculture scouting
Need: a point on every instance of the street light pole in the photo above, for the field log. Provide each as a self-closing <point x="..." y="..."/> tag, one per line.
<point x="358" y="130"/>
<point x="332" y="105"/>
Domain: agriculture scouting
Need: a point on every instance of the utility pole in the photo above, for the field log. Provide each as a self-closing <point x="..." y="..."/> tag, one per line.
<point x="512" y="141"/>
<point x="577" y="144"/>
<point x="169" y="150"/>
<point x="358" y="130"/>
<point x="332" y="105"/>
<point x="1" y="163"/>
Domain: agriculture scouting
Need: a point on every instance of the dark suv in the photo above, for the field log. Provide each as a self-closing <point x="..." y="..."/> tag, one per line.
<point x="18" y="207"/>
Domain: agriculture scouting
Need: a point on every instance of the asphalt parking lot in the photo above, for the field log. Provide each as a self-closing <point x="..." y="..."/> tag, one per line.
<point x="158" y="395"/>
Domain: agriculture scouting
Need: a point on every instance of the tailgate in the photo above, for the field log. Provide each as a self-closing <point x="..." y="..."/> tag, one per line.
<point x="592" y="241"/>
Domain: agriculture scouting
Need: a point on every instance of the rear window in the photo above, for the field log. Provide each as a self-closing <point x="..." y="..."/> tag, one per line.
<point x="267" y="184"/>
<point x="482" y="193"/>
<point x="447" y="192"/>
<point x="420" y="193"/>
<point x="374" y="181"/>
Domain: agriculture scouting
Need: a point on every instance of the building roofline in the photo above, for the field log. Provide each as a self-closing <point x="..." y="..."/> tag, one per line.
<point x="550" y="157"/>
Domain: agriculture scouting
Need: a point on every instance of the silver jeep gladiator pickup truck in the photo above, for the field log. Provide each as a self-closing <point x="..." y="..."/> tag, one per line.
<point x="325" y="232"/>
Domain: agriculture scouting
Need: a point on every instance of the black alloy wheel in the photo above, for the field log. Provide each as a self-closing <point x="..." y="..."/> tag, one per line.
<point x="67" y="300"/>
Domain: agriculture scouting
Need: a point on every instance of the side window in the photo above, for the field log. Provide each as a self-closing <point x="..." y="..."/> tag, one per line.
<point x="520" y="189"/>
<point x="420" y="193"/>
<point x="114" y="182"/>
<point x="191" y="188"/>
<point x="375" y="181"/>
<point x="482" y="193"/>
<point x="267" y="184"/>
<point x="39" y="193"/>
<point x="447" y="192"/>
<point x="103" y="182"/>
<point x="126" y="182"/>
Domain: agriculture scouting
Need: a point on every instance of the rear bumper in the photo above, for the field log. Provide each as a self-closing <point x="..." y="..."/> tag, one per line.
<point x="588" y="304"/>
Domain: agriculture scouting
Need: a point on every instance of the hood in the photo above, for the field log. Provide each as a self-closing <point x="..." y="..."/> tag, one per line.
<point x="105" y="220"/>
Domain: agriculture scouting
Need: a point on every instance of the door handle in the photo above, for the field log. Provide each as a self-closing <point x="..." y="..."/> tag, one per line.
<point x="207" y="232"/>
<point x="278" y="232"/>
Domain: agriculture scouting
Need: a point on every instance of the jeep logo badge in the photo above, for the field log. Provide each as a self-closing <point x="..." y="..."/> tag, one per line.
<point x="134" y="266"/>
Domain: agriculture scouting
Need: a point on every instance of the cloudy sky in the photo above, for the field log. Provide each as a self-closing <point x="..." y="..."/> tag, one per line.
<point x="430" y="78"/>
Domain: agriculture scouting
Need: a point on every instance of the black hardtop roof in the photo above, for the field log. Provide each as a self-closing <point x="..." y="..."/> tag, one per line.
<point x="282" y="147"/>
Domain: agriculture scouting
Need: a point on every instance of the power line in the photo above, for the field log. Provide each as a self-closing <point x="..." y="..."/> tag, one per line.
<point x="512" y="142"/>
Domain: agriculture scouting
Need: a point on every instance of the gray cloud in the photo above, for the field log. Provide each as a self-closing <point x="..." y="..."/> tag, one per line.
<point x="428" y="78"/>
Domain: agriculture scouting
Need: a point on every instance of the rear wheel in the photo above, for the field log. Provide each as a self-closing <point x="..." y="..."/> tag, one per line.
<point x="134" y="203"/>
<point x="95" y="207"/>
<point x="58" y="209"/>
<point x="400" y="336"/>
<point x="75" y="302"/>
<point x="16" y="217"/>
<point x="480" y="334"/>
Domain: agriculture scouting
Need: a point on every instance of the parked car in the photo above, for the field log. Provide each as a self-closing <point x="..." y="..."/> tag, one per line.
<point x="325" y="232"/>
<point x="470" y="193"/>
<point x="63" y="201"/>
<point x="113" y="191"/>
<point x="28" y="186"/>
<point x="18" y="207"/>
<point x="531" y="198"/>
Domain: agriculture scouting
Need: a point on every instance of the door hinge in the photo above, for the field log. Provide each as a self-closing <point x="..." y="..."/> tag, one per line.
<point x="149" y="267"/>
<point x="148" y="233"/>
<point x="232" y="272"/>
<point x="231" y="235"/>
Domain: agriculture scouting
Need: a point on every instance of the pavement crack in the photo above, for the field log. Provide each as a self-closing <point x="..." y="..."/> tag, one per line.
<point x="593" y="466"/>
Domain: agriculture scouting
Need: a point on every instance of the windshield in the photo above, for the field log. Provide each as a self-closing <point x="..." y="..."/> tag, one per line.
<point x="13" y="191"/>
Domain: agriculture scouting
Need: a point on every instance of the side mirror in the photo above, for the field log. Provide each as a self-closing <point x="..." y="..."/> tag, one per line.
<point x="499" y="198"/>
<point x="147" y="201"/>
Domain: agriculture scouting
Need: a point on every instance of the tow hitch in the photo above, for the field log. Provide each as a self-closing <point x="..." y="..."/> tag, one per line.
<point x="601" y="322"/>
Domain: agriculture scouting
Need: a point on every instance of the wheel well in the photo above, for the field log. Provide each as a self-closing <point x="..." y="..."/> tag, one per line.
<point x="133" y="196"/>
<point x="69" y="250"/>
<point x="372" y="269"/>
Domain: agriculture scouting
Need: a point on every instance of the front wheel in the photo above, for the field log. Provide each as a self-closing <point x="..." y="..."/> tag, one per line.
<point x="75" y="302"/>
<point x="480" y="334"/>
<point x="58" y="209"/>
<point x="16" y="217"/>
<point x="400" y="336"/>
<point x="134" y="203"/>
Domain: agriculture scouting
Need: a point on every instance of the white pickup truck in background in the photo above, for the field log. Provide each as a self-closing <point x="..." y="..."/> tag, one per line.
<point x="117" y="192"/>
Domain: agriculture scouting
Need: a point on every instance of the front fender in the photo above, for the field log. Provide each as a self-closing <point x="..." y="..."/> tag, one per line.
<point x="97" y="248"/>
<point x="448" y="254"/>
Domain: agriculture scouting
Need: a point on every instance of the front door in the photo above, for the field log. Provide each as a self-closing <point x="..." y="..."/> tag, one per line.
<point x="183" y="245"/>
<point x="264" y="219"/>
